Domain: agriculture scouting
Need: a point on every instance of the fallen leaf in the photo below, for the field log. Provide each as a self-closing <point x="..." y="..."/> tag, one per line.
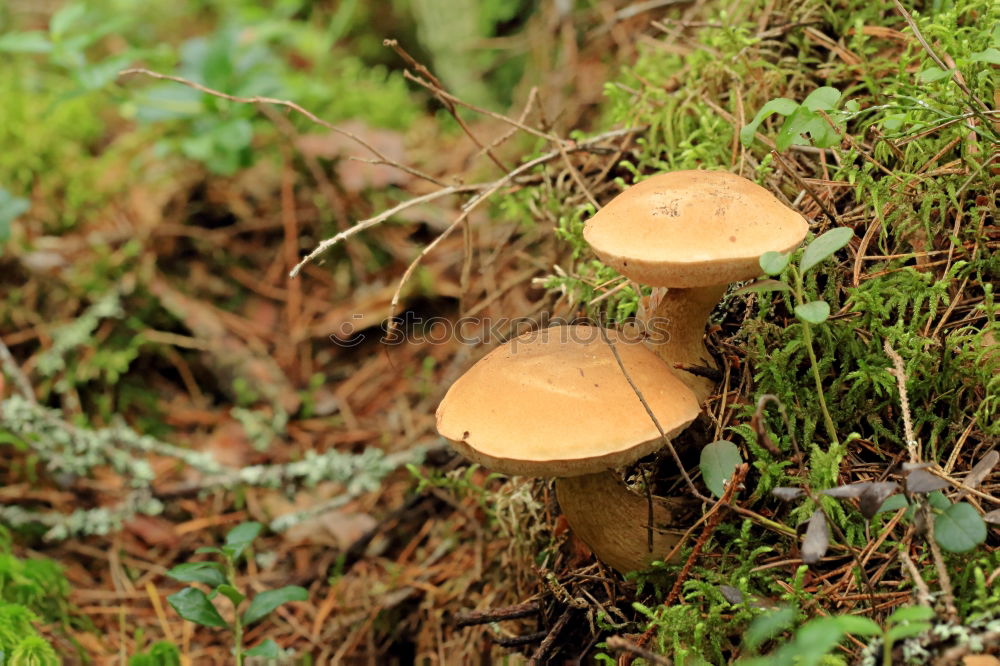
<point x="817" y="540"/>
<point x="922" y="481"/>
<point x="786" y="494"/>
<point x="153" y="530"/>
<point x="355" y="175"/>
<point x="227" y="355"/>
<point x="874" y="496"/>
<point x="982" y="469"/>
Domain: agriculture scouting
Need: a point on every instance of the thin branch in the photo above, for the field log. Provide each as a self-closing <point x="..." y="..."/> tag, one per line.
<point x="288" y="105"/>
<point x="378" y="219"/>
<point x="519" y="124"/>
<point x="621" y="644"/>
<point x="656" y="422"/>
<point x="437" y="88"/>
<point x="488" y="190"/>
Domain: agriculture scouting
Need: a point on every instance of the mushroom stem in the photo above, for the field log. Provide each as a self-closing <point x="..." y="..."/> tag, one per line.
<point x="612" y="520"/>
<point x="677" y="324"/>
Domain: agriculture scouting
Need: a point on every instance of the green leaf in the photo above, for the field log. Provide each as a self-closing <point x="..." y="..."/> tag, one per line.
<point x="266" y="649"/>
<point x="718" y="461"/>
<point x="208" y="549"/>
<point x="781" y="105"/>
<point x="938" y="500"/>
<point x="932" y="74"/>
<point x="64" y="19"/>
<point x="764" y="285"/>
<point x="769" y="625"/>
<point x="911" y="614"/>
<point x="772" y="263"/>
<point x="815" y="312"/>
<point x="822" y="99"/>
<point x="906" y="631"/>
<point x="209" y="573"/>
<point x="11" y="208"/>
<point x="803" y="122"/>
<point x="893" y="122"/>
<point x="815" y="639"/>
<point x="267" y="601"/>
<point x="990" y="55"/>
<point x="231" y="593"/>
<point x="33" y="41"/>
<point x="856" y="624"/>
<point x="239" y="538"/>
<point x="893" y="503"/>
<point x="192" y="605"/>
<point x="824" y="246"/>
<point x="959" y="528"/>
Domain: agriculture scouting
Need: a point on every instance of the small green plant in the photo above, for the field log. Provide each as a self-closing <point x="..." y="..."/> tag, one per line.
<point x="194" y="605"/>
<point x="802" y="119"/>
<point x="20" y="644"/>
<point x="161" y="653"/>
<point x="814" y="640"/>
<point x="37" y="584"/>
<point x="809" y="312"/>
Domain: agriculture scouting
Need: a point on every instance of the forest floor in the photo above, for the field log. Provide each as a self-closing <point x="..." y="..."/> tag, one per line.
<point x="165" y="308"/>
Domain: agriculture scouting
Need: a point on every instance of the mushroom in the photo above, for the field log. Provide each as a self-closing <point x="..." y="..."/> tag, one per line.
<point x="694" y="232"/>
<point x="555" y="403"/>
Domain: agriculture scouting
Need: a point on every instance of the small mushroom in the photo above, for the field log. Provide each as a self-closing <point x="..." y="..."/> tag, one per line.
<point x="694" y="232"/>
<point x="555" y="403"/>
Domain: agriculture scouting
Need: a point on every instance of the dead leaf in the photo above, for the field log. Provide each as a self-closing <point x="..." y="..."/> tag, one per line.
<point x="922" y="481"/>
<point x="786" y="494"/>
<point x="844" y="492"/>
<point x="153" y="530"/>
<point x="333" y="528"/>
<point x="816" y="540"/>
<point x="875" y="495"/>
<point x="229" y="445"/>
<point x="227" y="355"/>
<point x="355" y="175"/>
<point x="982" y="469"/>
<point x="731" y="594"/>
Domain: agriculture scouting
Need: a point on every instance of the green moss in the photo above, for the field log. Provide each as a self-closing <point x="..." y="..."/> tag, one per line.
<point x="940" y="317"/>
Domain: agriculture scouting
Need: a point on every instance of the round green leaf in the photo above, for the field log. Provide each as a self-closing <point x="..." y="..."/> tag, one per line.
<point x="772" y="263"/>
<point x="192" y="605"/>
<point x="718" y="460"/>
<point x="267" y="601"/>
<point x="815" y="312"/>
<point x="824" y="99"/>
<point x="824" y="246"/>
<point x="959" y="528"/>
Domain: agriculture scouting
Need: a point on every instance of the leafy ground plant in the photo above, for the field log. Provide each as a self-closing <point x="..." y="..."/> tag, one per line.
<point x="196" y="606"/>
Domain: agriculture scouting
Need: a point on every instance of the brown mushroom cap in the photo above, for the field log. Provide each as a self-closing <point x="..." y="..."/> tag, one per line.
<point x="692" y="228"/>
<point x="553" y="402"/>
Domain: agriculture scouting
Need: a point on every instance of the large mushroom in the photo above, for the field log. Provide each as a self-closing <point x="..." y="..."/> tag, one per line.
<point x="693" y="232"/>
<point x="555" y="403"/>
